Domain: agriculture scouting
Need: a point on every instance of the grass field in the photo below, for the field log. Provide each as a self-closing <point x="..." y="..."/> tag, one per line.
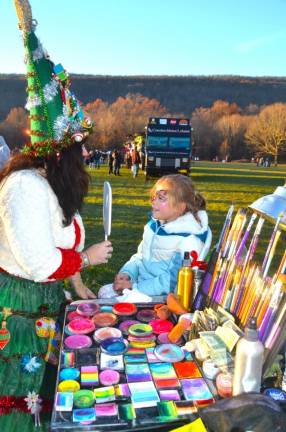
<point x="221" y="184"/>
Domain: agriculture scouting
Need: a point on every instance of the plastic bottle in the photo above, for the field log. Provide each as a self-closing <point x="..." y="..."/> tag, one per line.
<point x="185" y="283"/>
<point x="248" y="361"/>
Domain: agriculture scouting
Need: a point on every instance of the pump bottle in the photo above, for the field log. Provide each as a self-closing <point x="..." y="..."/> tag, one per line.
<point x="185" y="283"/>
<point x="248" y="361"/>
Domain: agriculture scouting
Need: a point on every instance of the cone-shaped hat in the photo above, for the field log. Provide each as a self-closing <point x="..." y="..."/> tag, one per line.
<point x="56" y="118"/>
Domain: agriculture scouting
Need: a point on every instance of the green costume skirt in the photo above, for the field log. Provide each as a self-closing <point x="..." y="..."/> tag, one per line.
<point x="29" y="301"/>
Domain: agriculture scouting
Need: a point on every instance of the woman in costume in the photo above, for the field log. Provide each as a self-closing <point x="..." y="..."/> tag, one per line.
<point x="41" y="233"/>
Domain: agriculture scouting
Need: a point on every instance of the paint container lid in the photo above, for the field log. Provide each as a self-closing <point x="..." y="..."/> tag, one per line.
<point x="68" y="386"/>
<point x="114" y="346"/>
<point x="109" y="377"/>
<point x="69" y="374"/>
<point x="83" y="398"/>
<point x="140" y="330"/>
<point x="78" y="342"/>
<point x="73" y="315"/>
<point x="105" y="333"/>
<point x="170" y="353"/>
<point x="124" y="326"/>
<point x="124" y="309"/>
<point x="146" y="315"/>
<point x="88" y="309"/>
<point x="104" y="319"/>
<point x="161" y="326"/>
<point x="81" y="326"/>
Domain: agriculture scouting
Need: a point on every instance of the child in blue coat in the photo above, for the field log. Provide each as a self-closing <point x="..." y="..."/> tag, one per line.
<point x="179" y="223"/>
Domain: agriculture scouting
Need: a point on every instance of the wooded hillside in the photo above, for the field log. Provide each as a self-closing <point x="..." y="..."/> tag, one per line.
<point x="179" y="94"/>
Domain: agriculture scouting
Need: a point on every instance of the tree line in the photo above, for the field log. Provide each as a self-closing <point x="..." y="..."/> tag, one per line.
<point x="223" y="130"/>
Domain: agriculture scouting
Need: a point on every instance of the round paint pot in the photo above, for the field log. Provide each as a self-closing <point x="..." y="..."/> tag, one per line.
<point x="78" y="342"/>
<point x="83" y="398"/>
<point x="149" y="338"/>
<point x="124" y="325"/>
<point x="161" y="326"/>
<point x="70" y="386"/>
<point x="105" y="333"/>
<point x="81" y="326"/>
<point x="170" y="353"/>
<point x="88" y="309"/>
<point x="109" y="377"/>
<point x="163" y="339"/>
<point x="146" y="315"/>
<point x="73" y="315"/>
<point x="106" y="308"/>
<point x="104" y="319"/>
<point x="114" y="346"/>
<point x="140" y="330"/>
<point x="224" y="384"/>
<point x="124" y="309"/>
<point x="69" y="374"/>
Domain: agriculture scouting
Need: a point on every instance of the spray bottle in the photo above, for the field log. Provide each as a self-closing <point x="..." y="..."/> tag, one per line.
<point x="248" y="361"/>
<point x="185" y="283"/>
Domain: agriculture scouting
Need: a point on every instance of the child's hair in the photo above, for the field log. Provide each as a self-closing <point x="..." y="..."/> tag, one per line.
<point x="180" y="190"/>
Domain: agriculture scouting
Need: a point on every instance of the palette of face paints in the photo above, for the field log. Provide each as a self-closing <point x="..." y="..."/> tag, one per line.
<point x="119" y="370"/>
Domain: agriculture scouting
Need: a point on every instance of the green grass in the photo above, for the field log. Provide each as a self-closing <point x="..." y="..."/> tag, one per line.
<point x="221" y="185"/>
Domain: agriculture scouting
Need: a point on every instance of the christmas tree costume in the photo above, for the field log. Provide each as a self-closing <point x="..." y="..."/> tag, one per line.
<point x="37" y="250"/>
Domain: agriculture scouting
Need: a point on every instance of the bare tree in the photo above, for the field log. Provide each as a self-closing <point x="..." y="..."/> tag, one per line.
<point x="232" y="128"/>
<point x="267" y="132"/>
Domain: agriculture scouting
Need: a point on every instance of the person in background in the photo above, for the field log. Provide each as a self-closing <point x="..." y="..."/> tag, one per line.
<point x="4" y="152"/>
<point x="41" y="235"/>
<point x="135" y="157"/>
<point x="110" y="162"/>
<point x="116" y="162"/>
<point x="179" y="223"/>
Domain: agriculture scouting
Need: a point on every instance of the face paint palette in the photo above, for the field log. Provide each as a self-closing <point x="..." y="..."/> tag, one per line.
<point x="115" y="382"/>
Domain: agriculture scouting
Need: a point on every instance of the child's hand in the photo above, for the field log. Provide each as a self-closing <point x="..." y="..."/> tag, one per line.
<point x="121" y="281"/>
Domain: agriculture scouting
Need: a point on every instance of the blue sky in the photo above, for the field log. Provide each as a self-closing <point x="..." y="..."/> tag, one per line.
<point x="153" y="37"/>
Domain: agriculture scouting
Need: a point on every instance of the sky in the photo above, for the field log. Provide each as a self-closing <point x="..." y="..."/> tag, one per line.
<point x="153" y="37"/>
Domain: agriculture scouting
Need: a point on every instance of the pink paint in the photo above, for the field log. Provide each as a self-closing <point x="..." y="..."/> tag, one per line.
<point x="109" y="377"/>
<point x="78" y="342"/>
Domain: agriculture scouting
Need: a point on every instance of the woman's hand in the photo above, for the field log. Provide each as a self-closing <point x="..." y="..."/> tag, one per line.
<point x="121" y="281"/>
<point x="99" y="253"/>
<point x="80" y="288"/>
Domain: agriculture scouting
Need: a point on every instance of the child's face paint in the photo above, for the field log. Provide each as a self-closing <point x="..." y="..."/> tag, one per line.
<point x="163" y="209"/>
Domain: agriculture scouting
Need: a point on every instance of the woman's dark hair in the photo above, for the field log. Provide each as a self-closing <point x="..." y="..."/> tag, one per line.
<point x="65" y="173"/>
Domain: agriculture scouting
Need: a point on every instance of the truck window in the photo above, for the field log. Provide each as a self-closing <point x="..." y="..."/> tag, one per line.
<point x="157" y="142"/>
<point x="176" y="143"/>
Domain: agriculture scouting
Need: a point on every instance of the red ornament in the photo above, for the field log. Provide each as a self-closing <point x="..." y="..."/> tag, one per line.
<point x="4" y="335"/>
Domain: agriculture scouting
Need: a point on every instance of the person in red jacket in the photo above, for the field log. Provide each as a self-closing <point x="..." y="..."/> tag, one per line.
<point x="135" y="157"/>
